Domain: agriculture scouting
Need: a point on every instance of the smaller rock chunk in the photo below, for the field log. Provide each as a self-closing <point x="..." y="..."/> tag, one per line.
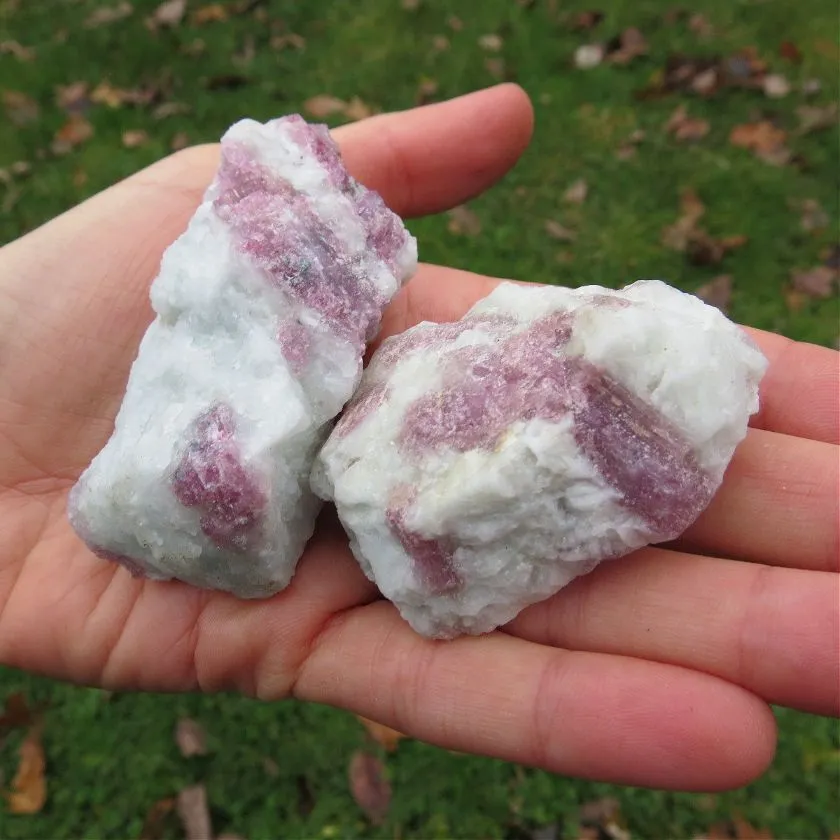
<point x="484" y="464"/>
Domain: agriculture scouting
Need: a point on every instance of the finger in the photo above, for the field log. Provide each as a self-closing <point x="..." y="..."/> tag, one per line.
<point x="799" y="393"/>
<point x="772" y="631"/>
<point x="777" y="505"/>
<point x="580" y="714"/>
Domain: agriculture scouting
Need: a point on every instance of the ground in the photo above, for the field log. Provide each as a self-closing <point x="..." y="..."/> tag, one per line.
<point x="88" y="91"/>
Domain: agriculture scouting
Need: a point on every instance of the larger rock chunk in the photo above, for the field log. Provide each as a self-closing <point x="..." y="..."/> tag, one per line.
<point x="264" y="306"/>
<point x="484" y="464"/>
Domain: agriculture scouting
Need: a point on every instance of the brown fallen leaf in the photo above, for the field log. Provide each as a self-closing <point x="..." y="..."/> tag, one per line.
<point x="153" y="824"/>
<point x="577" y="192"/>
<point x="678" y="235"/>
<point x="72" y="98"/>
<point x="108" y="14"/>
<point x="73" y="133"/>
<point x="170" y="109"/>
<point x="169" y="13"/>
<point x="491" y="42"/>
<point x="426" y="91"/>
<point x="80" y="177"/>
<point x="584" y="21"/>
<point x="16" y="711"/>
<point x="699" y="25"/>
<point x="737" y="829"/>
<point x="29" y="786"/>
<point x="717" y="292"/>
<point x="775" y="86"/>
<point x="190" y="738"/>
<point x="812" y="216"/>
<point x="604" y="816"/>
<point x="588" y="56"/>
<point x="288" y="39"/>
<point x="194" y="813"/>
<point x="369" y="787"/>
<point x="685" y="128"/>
<point x="133" y="138"/>
<point x="816" y="118"/>
<point x="630" y="44"/>
<point x="180" y="140"/>
<point x="496" y="67"/>
<point x="819" y="282"/>
<point x="245" y="54"/>
<point x="214" y="13"/>
<point x="20" y="108"/>
<point x="355" y="109"/>
<point x="463" y="221"/>
<point x="789" y="50"/>
<point x="557" y="231"/>
<point x="764" y="139"/>
<point x="410" y="5"/>
<point x="323" y="105"/>
<point x="17" y="50"/>
<point x="386" y="737"/>
<point x="455" y="23"/>
<point x="628" y="148"/>
<point x="440" y="43"/>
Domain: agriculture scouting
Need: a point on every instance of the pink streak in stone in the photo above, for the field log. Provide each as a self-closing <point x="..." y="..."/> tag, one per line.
<point x="432" y="559"/>
<point x="488" y="388"/>
<point x="278" y="227"/>
<point x="365" y="402"/>
<point x="212" y="478"/>
<point x="295" y="342"/>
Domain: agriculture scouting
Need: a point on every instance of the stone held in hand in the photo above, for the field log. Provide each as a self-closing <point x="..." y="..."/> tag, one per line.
<point x="484" y="464"/>
<point x="263" y="310"/>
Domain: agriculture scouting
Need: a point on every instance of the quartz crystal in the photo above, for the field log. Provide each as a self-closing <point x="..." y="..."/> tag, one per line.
<point x="264" y="307"/>
<point x="484" y="464"/>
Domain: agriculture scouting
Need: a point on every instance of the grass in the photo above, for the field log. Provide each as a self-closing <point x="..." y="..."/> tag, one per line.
<point x="111" y="757"/>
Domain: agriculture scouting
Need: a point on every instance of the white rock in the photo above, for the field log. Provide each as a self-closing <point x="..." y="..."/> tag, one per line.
<point x="485" y="464"/>
<point x="264" y="306"/>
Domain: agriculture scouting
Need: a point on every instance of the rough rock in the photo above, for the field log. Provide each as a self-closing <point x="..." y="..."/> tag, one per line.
<point x="263" y="310"/>
<point x="484" y="464"/>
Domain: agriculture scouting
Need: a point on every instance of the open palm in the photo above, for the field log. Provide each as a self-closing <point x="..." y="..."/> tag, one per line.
<point x="656" y="669"/>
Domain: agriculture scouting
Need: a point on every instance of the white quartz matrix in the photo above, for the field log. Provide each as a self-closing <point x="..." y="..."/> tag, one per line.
<point x="484" y="464"/>
<point x="264" y="306"/>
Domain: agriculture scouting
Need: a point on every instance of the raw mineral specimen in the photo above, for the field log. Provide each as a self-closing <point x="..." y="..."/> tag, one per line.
<point x="264" y="307"/>
<point x="484" y="464"/>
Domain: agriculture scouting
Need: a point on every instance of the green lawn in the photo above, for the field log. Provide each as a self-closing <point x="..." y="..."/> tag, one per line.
<point x="110" y="758"/>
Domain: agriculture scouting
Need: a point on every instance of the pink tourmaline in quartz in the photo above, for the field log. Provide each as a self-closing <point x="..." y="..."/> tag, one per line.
<point x="264" y="307"/>
<point x="485" y="464"/>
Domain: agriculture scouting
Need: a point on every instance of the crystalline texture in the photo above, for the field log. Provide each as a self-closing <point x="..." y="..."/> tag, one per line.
<point x="264" y="306"/>
<point x="484" y="464"/>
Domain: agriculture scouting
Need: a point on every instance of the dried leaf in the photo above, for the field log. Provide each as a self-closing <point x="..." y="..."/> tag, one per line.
<point x="16" y="711"/>
<point x="20" y="108"/>
<point x="584" y="21"/>
<point x="245" y="55"/>
<point x="134" y="138"/>
<point x="455" y="23"/>
<point x="463" y="222"/>
<point x="73" y="98"/>
<point x="355" y="109"/>
<point x="289" y="39"/>
<point x="426" y="91"/>
<point x="557" y="231"/>
<point x="17" y="50"/>
<point x="80" y="178"/>
<point x="29" y="787"/>
<point x="383" y="735"/>
<point x="817" y="282"/>
<point x="677" y="236"/>
<point x="631" y="44"/>
<point x="214" y="13"/>
<point x="813" y="217"/>
<point x="190" y="738"/>
<point x="588" y="56"/>
<point x="153" y="825"/>
<point x="685" y="128"/>
<point x="72" y="134"/>
<point x="492" y="42"/>
<point x="700" y="25"/>
<point x="20" y="169"/>
<point x="410" y="5"/>
<point x="113" y="97"/>
<point x="496" y="67"/>
<point x="440" y="43"/>
<point x="179" y="141"/>
<point x="577" y="192"/>
<point x="170" y="13"/>
<point x="775" y="86"/>
<point x="170" y="109"/>
<point x="816" y="118"/>
<point x="323" y="105"/>
<point x="717" y="292"/>
<point x="369" y="786"/>
<point x="195" y="813"/>
<point x="108" y="14"/>
<point x="789" y="50"/>
<point x="764" y="139"/>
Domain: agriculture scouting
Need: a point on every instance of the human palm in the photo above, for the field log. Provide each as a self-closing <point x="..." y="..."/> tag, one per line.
<point x="656" y="669"/>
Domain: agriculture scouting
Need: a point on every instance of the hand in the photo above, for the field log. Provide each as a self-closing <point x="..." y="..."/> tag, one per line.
<point x="655" y="669"/>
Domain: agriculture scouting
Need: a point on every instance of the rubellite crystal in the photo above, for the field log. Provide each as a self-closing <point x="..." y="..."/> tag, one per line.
<point x="264" y="307"/>
<point x="484" y="464"/>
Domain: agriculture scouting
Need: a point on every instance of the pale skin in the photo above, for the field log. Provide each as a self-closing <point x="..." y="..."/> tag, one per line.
<point x="656" y="669"/>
